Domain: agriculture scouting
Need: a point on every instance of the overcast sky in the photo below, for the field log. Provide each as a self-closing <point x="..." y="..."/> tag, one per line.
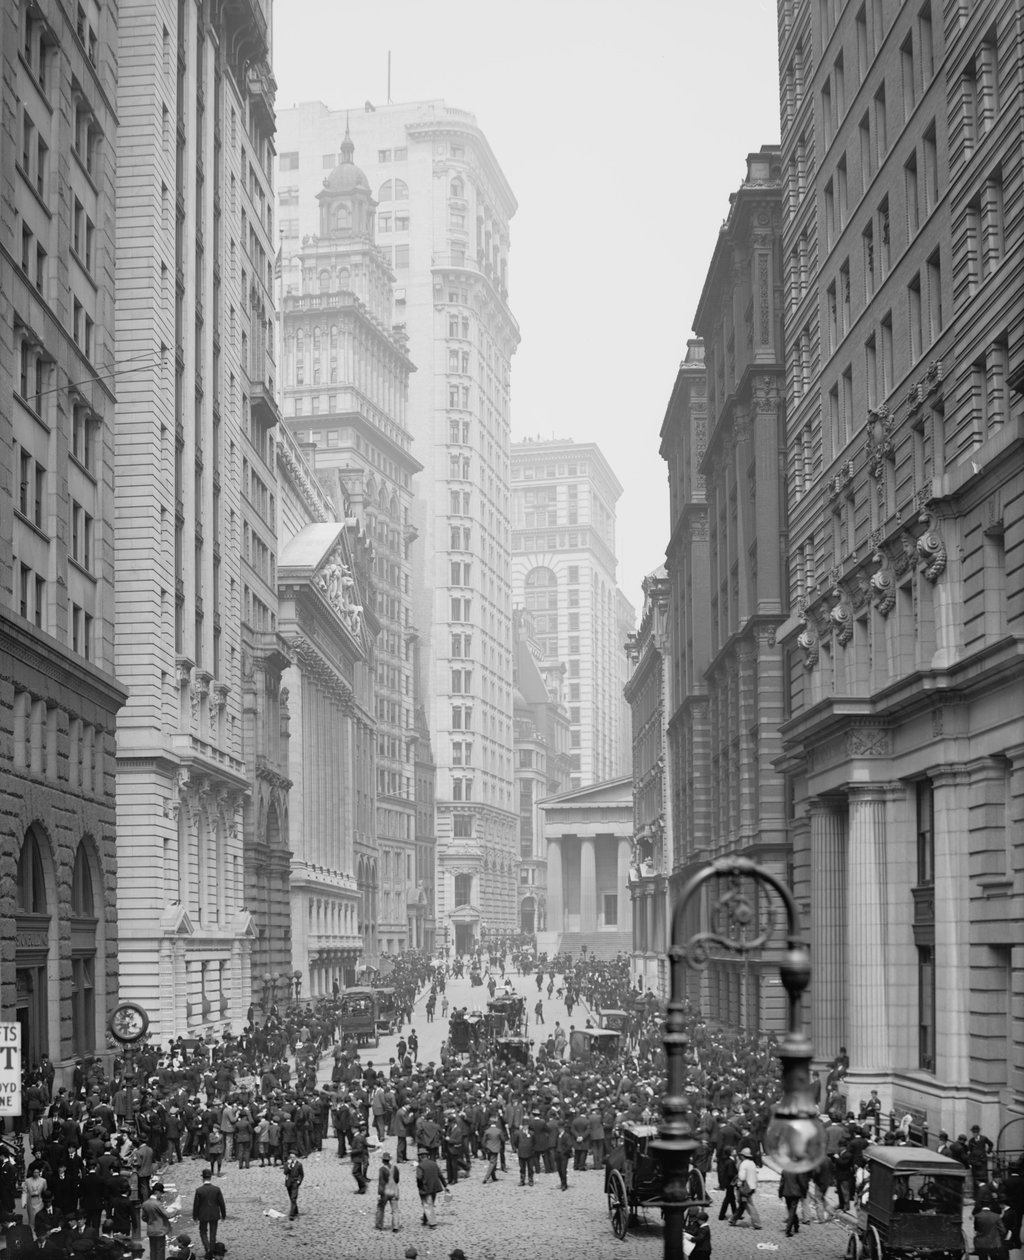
<point x="622" y="125"/>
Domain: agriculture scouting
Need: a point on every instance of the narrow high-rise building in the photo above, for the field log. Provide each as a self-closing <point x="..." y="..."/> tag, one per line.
<point x="563" y="573"/>
<point x="59" y="371"/>
<point x="443" y="208"/>
<point x="201" y="755"/>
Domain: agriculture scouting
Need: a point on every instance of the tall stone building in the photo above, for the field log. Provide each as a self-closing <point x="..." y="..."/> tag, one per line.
<point x="201" y="757"/>
<point x="739" y="318"/>
<point x="58" y="374"/>
<point x="326" y="710"/>
<point x="903" y="738"/>
<point x="684" y="438"/>
<point x="563" y="572"/>
<point x="346" y="381"/>
<point x="443" y="208"/>
<point x="647" y="693"/>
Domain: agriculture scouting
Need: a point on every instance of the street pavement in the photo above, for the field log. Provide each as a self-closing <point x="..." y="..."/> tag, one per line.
<point x="492" y="1222"/>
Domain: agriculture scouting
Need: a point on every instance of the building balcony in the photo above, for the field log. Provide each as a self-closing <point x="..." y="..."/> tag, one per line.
<point x="262" y="93"/>
<point x="263" y="403"/>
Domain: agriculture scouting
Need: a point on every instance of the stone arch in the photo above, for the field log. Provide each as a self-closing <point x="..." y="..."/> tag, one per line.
<point x="89" y="950"/>
<point x="37" y="945"/>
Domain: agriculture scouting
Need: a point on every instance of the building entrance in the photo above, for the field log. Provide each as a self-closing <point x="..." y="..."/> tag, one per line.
<point x="31" y="1013"/>
<point x="464" y="940"/>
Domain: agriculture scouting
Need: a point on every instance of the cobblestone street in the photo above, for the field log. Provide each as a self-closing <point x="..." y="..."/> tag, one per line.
<point x="494" y="1222"/>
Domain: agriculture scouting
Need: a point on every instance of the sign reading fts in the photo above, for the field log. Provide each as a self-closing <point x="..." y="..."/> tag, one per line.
<point x="10" y="1069"/>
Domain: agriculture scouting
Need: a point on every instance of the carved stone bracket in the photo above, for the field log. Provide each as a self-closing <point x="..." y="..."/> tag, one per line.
<point x="931" y="549"/>
<point x="883" y="584"/>
<point x="841" y="616"/>
<point x="808" y="640"/>
<point x="183" y="668"/>
<point x="906" y="553"/>
<point x="221" y="691"/>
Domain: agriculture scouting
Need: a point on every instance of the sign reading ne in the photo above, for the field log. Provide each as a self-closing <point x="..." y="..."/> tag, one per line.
<point x="10" y="1069"/>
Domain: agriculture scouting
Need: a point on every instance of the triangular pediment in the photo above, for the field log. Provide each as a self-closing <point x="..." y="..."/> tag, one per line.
<point x="465" y="914"/>
<point x="175" y="921"/>
<point x="318" y="556"/>
<point x="244" y="925"/>
<point x="609" y="792"/>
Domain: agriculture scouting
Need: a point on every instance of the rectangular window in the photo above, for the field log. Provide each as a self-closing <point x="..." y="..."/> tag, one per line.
<point x="933" y="270"/>
<point x="881" y="127"/>
<point x="915" y="318"/>
<point x="926" y="44"/>
<point x="926" y="1007"/>
<point x="908" y="76"/>
<point x="868" y="238"/>
<point x="930" y="161"/>
<point x="910" y="194"/>
<point x="887" y="354"/>
<point x="611" y="909"/>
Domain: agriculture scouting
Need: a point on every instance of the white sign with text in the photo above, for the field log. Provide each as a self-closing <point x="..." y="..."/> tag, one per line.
<point x="10" y="1069"/>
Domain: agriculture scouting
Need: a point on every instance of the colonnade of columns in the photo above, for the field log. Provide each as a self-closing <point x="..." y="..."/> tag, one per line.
<point x="572" y="868"/>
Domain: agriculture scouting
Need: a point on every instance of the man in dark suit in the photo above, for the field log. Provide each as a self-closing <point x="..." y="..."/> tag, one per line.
<point x="208" y="1208"/>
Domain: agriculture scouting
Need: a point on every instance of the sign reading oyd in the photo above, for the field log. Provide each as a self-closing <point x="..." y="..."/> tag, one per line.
<point x="10" y="1069"/>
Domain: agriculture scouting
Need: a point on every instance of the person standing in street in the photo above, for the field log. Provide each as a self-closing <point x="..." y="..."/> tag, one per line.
<point x="793" y="1191"/>
<point x="293" y="1175"/>
<point x="360" y="1158"/>
<point x="746" y="1189"/>
<point x="429" y="1184"/>
<point x="156" y="1221"/>
<point x="387" y="1193"/>
<point x="562" y="1151"/>
<point x="494" y="1139"/>
<point x="208" y="1208"/>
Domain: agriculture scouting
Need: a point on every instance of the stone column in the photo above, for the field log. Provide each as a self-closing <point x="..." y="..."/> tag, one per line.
<point x="828" y="929"/>
<point x="952" y="925"/>
<point x="622" y="885"/>
<point x="588" y="884"/>
<point x="867" y="937"/>
<point x="554" y="896"/>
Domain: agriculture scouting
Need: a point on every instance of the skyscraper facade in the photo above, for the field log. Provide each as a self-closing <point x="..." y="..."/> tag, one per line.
<point x="58" y="373"/>
<point x="346" y="379"/>
<point x="443" y="212"/>
<point x="563" y="573"/>
<point x="903" y="731"/>
<point x="201" y="760"/>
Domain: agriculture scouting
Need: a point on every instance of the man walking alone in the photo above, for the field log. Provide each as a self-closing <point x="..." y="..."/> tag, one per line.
<point x="209" y="1210"/>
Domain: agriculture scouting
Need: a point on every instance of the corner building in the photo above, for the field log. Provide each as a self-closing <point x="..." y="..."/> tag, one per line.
<point x="903" y="738"/>
<point x="58" y="695"/>
<point x="202" y="790"/>
<point x="443" y="213"/>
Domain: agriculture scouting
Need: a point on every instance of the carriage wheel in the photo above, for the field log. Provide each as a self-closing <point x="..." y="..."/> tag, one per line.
<point x="873" y="1248"/>
<point x="852" y="1250"/>
<point x="619" y="1204"/>
<point x="695" y="1190"/>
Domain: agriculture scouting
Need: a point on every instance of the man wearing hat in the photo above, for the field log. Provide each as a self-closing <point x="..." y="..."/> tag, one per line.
<point x="457" y="1254"/>
<point x="746" y="1189"/>
<point x="387" y="1193"/>
<point x="208" y="1208"/>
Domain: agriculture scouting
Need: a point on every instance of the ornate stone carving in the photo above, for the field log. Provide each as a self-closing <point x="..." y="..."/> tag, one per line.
<point x="915" y="397"/>
<point x="931" y="548"/>
<point x="183" y="671"/>
<point x="936" y="722"/>
<point x="879" y="439"/>
<point x="764" y="299"/>
<point x="841" y="616"/>
<point x="221" y="691"/>
<point x="906" y="553"/>
<point x="883" y="584"/>
<point x="741" y="429"/>
<point x="338" y="586"/>
<point x="933" y="377"/>
<point x="869" y="741"/>
<point x="808" y="640"/>
<point x="841" y="480"/>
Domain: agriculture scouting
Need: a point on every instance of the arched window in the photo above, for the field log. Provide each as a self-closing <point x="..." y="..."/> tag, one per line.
<point x="458" y="188"/>
<point x="83" y="954"/>
<point x="325" y="281"/>
<point x="385" y="191"/>
<point x="31" y="891"/>
<point x="82" y="903"/>
<point x="342" y="217"/>
<point x="401" y="190"/>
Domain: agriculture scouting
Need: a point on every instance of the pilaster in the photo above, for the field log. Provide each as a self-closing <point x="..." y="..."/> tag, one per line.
<point x="828" y="927"/>
<point x="867" y="935"/>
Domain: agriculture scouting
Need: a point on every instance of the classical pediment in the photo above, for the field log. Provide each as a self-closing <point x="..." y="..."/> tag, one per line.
<point x="614" y="792"/>
<point x="175" y="921"/>
<point x="318" y="557"/>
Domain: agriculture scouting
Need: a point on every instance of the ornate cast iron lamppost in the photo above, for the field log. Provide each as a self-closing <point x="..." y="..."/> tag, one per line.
<point x="795" y="1138"/>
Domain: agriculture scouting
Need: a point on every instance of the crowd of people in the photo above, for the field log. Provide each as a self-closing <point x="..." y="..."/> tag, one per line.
<point x="98" y="1146"/>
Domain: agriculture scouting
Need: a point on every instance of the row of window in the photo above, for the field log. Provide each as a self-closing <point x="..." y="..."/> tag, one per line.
<point x="35" y="747"/>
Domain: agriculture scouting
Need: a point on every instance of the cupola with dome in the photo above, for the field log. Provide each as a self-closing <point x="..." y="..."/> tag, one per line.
<point x="346" y="203"/>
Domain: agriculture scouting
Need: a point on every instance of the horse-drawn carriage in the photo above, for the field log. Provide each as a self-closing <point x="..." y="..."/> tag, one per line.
<point x="512" y="1050"/>
<point x="911" y="1205"/>
<point x="586" y="1045"/>
<point x="388" y="1018"/>
<point x="634" y="1182"/>
<point x="511" y="1007"/>
<point x="357" y="1015"/>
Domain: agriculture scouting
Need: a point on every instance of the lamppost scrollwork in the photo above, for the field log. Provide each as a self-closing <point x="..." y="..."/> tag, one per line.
<point x="738" y="924"/>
